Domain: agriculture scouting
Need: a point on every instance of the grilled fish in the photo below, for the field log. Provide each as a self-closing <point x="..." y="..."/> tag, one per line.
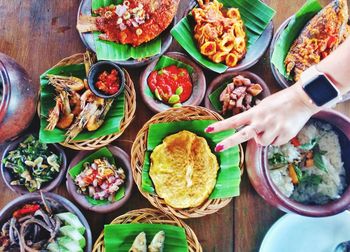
<point x="323" y="34"/>
<point x="133" y="22"/>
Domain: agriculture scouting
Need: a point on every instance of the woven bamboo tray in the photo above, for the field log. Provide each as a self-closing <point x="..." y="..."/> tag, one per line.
<point x="129" y="110"/>
<point x="154" y="216"/>
<point x="139" y="148"/>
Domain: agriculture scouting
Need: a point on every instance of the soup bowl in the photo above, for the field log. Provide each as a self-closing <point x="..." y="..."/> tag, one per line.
<point x="259" y="174"/>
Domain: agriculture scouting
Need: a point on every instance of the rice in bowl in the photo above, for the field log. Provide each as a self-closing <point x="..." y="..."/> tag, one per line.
<point x="309" y="168"/>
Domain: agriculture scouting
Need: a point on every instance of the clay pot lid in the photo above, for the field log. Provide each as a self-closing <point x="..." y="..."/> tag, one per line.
<point x="121" y="158"/>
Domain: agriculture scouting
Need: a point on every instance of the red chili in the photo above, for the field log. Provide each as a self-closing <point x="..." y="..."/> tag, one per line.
<point x="108" y="82"/>
<point x="25" y="210"/>
<point x="168" y="80"/>
<point x="295" y="141"/>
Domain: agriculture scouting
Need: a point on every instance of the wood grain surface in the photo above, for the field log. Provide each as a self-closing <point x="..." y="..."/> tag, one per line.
<point x="38" y="33"/>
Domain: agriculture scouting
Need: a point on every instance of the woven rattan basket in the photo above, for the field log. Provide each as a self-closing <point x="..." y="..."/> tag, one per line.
<point x="138" y="153"/>
<point x="129" y="111"/>
<point x="154" y="216"/>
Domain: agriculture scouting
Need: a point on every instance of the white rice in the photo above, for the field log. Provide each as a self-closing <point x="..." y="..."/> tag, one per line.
<point x="333" y="182"/>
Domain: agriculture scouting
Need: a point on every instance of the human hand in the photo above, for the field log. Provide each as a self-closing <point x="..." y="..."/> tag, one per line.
<point x="275" y="120"/>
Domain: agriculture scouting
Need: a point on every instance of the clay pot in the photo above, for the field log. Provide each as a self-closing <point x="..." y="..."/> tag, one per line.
<point x="19" y="98"/>
<point x="259" y="175"/>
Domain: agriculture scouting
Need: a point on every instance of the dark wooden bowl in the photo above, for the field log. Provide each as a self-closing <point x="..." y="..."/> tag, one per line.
<point x="221" y="79"/>
<point x="88" y="40"/>
<point x="49" y="186"/>
<point x="6" y="212"/>
<point x="198" y="81"/>
<point x="259" y="175"/>
<point x="281" y="80"/>
<point x="123" y="159"/>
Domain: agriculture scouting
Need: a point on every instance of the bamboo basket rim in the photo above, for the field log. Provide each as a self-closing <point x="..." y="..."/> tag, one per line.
<point x="139" y="147"/>
<point x="151" y="215"/>
<point x="129" y="110"/>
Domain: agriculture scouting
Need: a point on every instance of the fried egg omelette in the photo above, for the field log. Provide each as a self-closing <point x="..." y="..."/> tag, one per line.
<point x="183" y="170"/>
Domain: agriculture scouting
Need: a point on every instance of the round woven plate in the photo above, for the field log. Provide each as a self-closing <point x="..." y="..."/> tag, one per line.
<point x="129" y="110"/>
<point x="153" y="216"/>
<point x="139" y="147"/>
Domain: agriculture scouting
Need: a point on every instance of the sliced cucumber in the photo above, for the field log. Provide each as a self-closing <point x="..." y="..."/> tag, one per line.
<point x="74" y="234"/>
<point x="72" y="220"/>
<point x="68" y="243"/>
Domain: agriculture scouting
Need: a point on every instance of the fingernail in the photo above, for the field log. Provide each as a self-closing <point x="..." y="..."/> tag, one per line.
<point x="219" y="148"/>
<point x="209" y="129"/>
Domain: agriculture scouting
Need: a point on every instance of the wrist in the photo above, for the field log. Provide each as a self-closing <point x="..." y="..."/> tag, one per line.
<point x="302" y="99"/>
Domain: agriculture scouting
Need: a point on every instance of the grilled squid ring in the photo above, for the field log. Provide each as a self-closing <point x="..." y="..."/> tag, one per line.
<point x="219" y="57"/>
<point x="227" y="43"/>
<point x="231" y="60"/>
<point x="240" y="45"/>
<point x="233" y="13"/>
<point x="208" y="48"/>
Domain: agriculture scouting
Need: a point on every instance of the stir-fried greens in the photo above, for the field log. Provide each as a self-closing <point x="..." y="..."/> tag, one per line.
<point x="42" y="226"/>
<point x="32" y="164"/>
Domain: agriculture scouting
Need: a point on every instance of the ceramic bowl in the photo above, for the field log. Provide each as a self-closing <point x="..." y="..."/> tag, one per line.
<point x="198" y="81"/>
<point x="121" y="158"/>
<point x="281" y="80"/>
<point x="6" y="212"/>
<point x="88" y="39"/>
<point x="221" y="79"/>
<point x="49" y="186"/>
<point x="98" y="68"/>
<point x="259" y="175"/>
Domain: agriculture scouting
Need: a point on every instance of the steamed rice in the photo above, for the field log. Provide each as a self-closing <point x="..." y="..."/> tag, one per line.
<point x="332" y="182"/>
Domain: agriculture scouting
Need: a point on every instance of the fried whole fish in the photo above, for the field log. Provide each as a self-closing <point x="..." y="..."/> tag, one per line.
<point x="323" y="34"/>
<point x="133" y="22"/>
<point x="157" y="244"/>
<point x="183" y="170"/>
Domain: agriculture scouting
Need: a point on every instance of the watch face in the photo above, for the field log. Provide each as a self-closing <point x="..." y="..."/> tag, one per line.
<point x="321" y="90"/>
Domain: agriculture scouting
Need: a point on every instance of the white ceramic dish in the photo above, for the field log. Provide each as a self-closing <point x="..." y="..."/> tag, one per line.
<point x="296" y="233"/>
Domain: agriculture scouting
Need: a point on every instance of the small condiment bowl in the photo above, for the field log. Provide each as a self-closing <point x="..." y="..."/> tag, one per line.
<point x="7" y="211"/>
<point x="198" y="84"/>
<point x="122" y="159"/>
<point x="228" y="76"/>
<point x="49" y="186"/>
<point x="259" y="175"/>
<point x="98" y="68"/>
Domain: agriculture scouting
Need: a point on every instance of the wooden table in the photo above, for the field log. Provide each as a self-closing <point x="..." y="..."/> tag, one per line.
<point x="38" y="33"/>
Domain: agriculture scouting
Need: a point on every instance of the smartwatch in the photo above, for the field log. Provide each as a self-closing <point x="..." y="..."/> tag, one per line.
<point x="320" y="89"/>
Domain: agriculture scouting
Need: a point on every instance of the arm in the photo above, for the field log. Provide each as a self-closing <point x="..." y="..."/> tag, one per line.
<point x="280" y="117"/>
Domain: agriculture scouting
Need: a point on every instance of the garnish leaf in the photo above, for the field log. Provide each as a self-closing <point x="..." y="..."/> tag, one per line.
<point x="278" y="160"/>
<point x="310" y="145"/>
<point x="312" y="180"/>
<point x="319" y="162"/>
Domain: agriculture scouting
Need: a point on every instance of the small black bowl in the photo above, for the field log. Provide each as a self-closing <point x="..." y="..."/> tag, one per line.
<point x="97" y="69"/>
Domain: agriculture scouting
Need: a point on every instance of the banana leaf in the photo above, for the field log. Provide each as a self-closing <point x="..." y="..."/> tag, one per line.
<point x="214" y="97"/>
<point x="292" y="31"/>
<point x="255" y="14"/>
<point x="166" y="61"/>
<point x="47" y="102"/>
<point x="107" y="50"/>
<point x="229" y="175"/>
<point x="78" y="168"/>
<point x="120" y="237"/>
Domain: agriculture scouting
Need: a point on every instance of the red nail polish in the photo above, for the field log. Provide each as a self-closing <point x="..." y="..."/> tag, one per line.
<point x="219" y="148"/>
<point x="209" y="129"/>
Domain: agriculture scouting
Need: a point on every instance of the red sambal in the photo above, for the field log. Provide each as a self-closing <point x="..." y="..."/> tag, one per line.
<point x="171" y="84"/>
<point x="108" y="83"/>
